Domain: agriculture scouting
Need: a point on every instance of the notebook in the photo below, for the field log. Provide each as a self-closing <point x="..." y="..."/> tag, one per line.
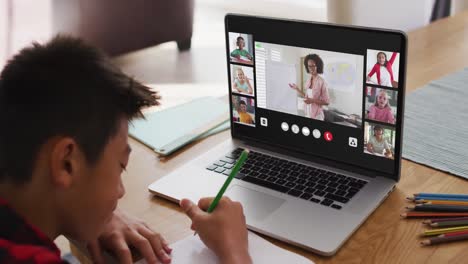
<point x="192" y="250"/>
<point x="168" y="130"/>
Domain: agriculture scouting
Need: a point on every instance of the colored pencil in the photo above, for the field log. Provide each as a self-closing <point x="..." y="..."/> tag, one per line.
<point x="442" y="195"/>
<point x="441" y="202"/>
<point x="450" y="223"/>
<point x="438" y="220"/>
<point x="415" y="199"/>
<point x="439" y="231"/>
<point x="427" y="214"/>
<point x="235" y="170"/>
<point x="440" y="240"/>
<point x="438" y="208"/>
<point x="454" y="234"/>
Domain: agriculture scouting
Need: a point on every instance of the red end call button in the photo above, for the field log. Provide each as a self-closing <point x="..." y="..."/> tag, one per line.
<point x="328" y="136"/>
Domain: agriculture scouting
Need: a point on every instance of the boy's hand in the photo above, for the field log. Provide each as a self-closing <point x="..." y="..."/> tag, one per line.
<point x="224" y="230"/>
<point x="123" y="231"/>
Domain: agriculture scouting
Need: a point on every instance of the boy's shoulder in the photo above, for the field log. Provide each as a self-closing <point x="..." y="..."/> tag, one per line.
<point x="11" y="252"/>
<point x="21" y="242"/>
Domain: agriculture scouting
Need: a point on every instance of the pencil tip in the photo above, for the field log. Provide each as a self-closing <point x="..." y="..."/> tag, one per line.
<point x="403" y="215"/>
<point x="425" y="243"/>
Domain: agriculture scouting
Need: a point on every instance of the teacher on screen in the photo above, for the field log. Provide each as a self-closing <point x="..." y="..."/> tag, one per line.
<point x="316" y="94"/>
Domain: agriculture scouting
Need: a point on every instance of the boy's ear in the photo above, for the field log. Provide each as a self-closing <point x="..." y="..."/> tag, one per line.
<point x="64" y="161"/>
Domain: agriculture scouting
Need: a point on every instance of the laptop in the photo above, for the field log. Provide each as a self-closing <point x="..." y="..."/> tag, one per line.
<point x="320" y="107"/>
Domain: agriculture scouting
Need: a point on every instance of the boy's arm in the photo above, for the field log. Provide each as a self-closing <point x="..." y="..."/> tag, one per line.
<point x="235" y="53"/>
<point x="249" y="56"/>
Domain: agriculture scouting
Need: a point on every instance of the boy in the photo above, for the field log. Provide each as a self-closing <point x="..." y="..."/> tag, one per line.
<point x="64" y="111"/>
<point x="240" y="51"/>
<point x="244" y="117"/>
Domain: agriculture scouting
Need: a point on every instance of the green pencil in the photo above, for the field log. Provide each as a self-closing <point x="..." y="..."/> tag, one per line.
<point x="233" y="173"/>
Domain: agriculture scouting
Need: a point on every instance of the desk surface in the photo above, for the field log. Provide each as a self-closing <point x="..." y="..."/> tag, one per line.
<point x="434" y="51"/>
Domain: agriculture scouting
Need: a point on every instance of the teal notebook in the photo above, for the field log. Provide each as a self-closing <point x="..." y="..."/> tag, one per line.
<point x="170" y="129"/>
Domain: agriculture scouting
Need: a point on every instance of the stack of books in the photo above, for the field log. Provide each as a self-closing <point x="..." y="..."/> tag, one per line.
<point x="447" y="216"/>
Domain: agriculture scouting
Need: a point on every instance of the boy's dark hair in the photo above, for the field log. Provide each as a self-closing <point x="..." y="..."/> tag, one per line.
<point x="239" y="38"/>
<point x="242" y="102"/>
<point x="318" y="62"/>
<point x="62" y="88"/>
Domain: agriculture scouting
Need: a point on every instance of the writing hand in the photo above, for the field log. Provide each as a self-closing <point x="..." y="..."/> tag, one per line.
<point x="224" y="230"/>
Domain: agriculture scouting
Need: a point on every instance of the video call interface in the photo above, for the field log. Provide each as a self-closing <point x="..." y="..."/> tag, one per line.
<point x="334" y="104"/>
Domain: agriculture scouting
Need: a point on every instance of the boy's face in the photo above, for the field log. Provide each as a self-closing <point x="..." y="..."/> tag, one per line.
<point x="240" y="43"/>
<point x="243" y="108"/>
<point x="93" y="198"/>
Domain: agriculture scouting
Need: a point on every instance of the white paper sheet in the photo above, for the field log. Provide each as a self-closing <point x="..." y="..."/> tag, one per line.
<point x="192" y="250"/>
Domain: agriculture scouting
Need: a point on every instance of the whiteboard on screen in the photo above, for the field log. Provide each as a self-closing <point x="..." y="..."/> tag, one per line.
<point x="279" y="96"/>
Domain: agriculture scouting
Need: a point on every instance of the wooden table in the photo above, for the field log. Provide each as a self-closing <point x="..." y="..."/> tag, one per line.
<point x="434" y="51"/>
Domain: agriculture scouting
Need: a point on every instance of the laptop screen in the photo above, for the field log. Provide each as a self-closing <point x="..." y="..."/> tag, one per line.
<point x="329" y="91"/>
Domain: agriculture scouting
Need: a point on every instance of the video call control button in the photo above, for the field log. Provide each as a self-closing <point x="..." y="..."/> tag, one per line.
<point x="264" y="121"/>
<point x="305" y="131"/>
<point x="352" y="142"/>
<point x="316" y="133"/>
<point x="328" y="136"/>
<point x="295" y="129"/>
<point x="285" y="126"/>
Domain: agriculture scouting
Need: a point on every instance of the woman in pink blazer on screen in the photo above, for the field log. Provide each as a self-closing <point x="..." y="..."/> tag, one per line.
<point x="316" y="91"/>
<point x="383" y="69"/>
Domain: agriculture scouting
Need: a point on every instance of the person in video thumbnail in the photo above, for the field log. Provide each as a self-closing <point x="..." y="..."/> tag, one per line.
<point x="377" y="143"/>
<point x="240" y="51"/>
<point x="316" y="91"/>
<point x="381" y="110"/>
<point x="244" y="117"/>
<point x="383" y="69"/>
<point x="242" y="83"/>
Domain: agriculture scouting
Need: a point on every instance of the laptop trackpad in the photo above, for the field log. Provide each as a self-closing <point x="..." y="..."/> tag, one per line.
<point x="257" y="205"/>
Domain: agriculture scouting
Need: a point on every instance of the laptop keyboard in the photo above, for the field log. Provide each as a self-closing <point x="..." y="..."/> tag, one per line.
<point x="309" y="183"/>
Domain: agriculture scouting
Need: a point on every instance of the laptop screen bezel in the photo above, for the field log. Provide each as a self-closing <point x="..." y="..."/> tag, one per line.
<point x="231" y="19"/>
